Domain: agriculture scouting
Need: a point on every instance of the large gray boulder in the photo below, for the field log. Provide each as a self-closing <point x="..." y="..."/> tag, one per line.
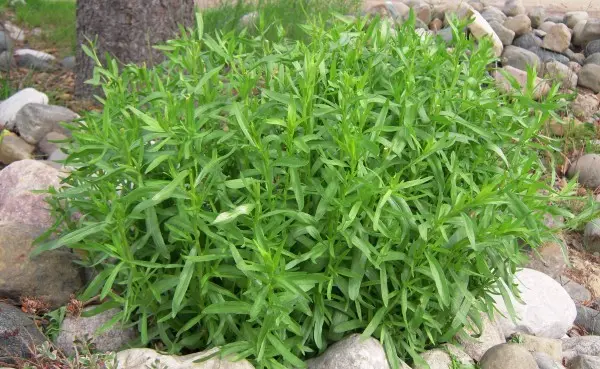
<point x="571" y="18"/>
<point x="588" y="32"/>
<point x="545" y="309"/>
<point x="6" y="43"/>
<point x="142" y="358"/>
<point x="34" y="121"/>
<point x="11" y="106"/>
<point x="588" y="169"/>
<point x="585" y="362"/>
<point x="519" y="24"/>
<point x="589" y="77"/>
<point x="589" y="319"/>
<point x="476" y="342"/>
<point x="558" y="38"/>
<point x="520" y="58"/>
<point x="584" y="345"/>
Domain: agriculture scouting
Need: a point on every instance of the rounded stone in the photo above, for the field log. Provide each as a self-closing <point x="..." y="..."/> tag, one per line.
<point x="592" y="47"/>
<point x="591" y="236"/>
<point x="508" y="356"/>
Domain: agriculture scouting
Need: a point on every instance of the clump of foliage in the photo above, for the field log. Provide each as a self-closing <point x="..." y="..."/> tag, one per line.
<point x="272" y="197"/>
<point x="46" y="356"/>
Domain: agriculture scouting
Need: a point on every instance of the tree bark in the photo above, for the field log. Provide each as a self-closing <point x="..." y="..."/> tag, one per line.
<point x="127" y="30"/>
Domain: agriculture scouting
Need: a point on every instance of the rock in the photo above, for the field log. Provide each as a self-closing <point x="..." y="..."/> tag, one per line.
<point x="476" y="343"/>
<point x="520" y="58"/>
<point x="547" y="55"/>
<point x="75" y="328"/>
<point x="513" y="8"/>
<point x="585" y="362"/>
<point x="577" y="292"/>
<point x="578" y="33"/>
<point x="556" y="18"/>
<point x="575" y="67"/>
<point x="559" y="128"/>
<point x="14" y="148"/>
<point x="584" y="345"/>
<point x="395" y="11"/>
<point x="17" y="202"/>
<point x="562" y="74"/>
<point x="6" y="43"/>
<point x="47" y="146"/>
<point x="504" y="34"/>
<point x="549" y="259"/>
<point x="588" y="168"/>
<point x="139" y="358"/>
<point x="445" y="34"/>
<point x="539" y="33"/>
<point x="18" y="333"/>
<point x="589" y="32"/>
<point x="558" y="38"/>
<point x="14" y="32"/>
<point x="546" y="309"/>
<point x="423" y="12"/>
<point x="57" y="156"/>
<point x="68" y="63"/>
<point x="541" y="87"/>
<point x="549" y="346"/>
<point x="592" y="59"/>
<point x="546" y="25"/>
<point x="436" y="24"/>
<point x="507" y="356"/>
<point x="589" y="76"/>
<point x="249" y="19"/>
<point x="34" y="59"/>
<point x="592" y="47"/>
<point x="579" y="58"/>
<point x="10" y="106"/>
<point x="544" y="361"/>
<point x="537" y="15"/>
<point x="480" y="28"/>
<point x="6" y="61"/>
<point x="37" y="32"/>
<point x="589" y="319"/>
<point x="553" y="222"/>
<point x="571" y="18"/>
<point x="528" y="40"/>
<point x="585" y="106"/>
<point x="51" y="276"/>
<point x="477" y="5"/>
<point x="492" y="13"/>
<point x="34" y="121"/>
<point x="443" y="358"/>
<point x="519" y="24"/>
<point x="352" y="353"/>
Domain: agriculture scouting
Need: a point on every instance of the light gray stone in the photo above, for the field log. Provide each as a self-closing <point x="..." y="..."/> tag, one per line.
<point x="544" y="361"/>
<point x="435" y="359"/>
<point x="18" y="334"/>
<point x="17" y="201"/>
<point x="520" y="58"/>
<point x="352" y="353"/>
<point x="558" y="38"/>
<point x="527" y="40"/>
<point x="506" y="356"/>
<point x="547" y="55"/>
<point x="6" y="61"/>
<point x="476" y="342"/>
<point x="78" y="328"/>
<point x="11" y="106"/>
<point x="539" y="33"/>
<point x="14" y="148"/>
<point x="577" y="292"/>
<point x="514" y="7"/>
<point x="588" y="168"/>
<point x="545" y="309"/>
<point x="480" y="28"/>
<point x="585" y="106"/>
<point x="573" y="56"/>
<point x="520" y="24"/>
<point x="571" y="18"/>
<point x="14" y="32"/>
<point x="584" y="345"/>
<point x="48" y="145"/>
<point x="562" y="74"/>
<point x="141" y="358"/>
<point x="504" y="34"/>
<point x="34" y="121"/>
<point x="546" y="25"/>
<point x="6" y="43"/>
<point x="491" y="13"/>
<point x="585" y="362"/>
<point x="537" y="15"/>
<point x="592" y="47"/>
<point x="68" y="63"/>
<point x="541" y="87"/>
<point x="578" y="33"/>
<point x="592" y="59"/>
<point x="550" y="258"/>
<point x="52" y="276"/>
<point x="550" y="346"/>
<point x="589" y="77"/>
<point x="589" y="32"/>
<point x="34" y="59"/>
<point x="589" y="319"/>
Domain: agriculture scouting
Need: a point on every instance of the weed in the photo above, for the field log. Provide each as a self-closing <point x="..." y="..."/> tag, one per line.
<point x="272" y="196"/>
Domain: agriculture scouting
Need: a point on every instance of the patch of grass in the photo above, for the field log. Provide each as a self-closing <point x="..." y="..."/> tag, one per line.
<point x="271" y="196"/>
<point x="56" y="18"/>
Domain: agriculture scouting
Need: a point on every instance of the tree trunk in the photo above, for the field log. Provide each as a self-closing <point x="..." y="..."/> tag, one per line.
<point x="127" y="30"/>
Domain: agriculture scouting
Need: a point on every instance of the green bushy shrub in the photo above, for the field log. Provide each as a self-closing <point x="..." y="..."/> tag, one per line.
<point x="273" y="197"/>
